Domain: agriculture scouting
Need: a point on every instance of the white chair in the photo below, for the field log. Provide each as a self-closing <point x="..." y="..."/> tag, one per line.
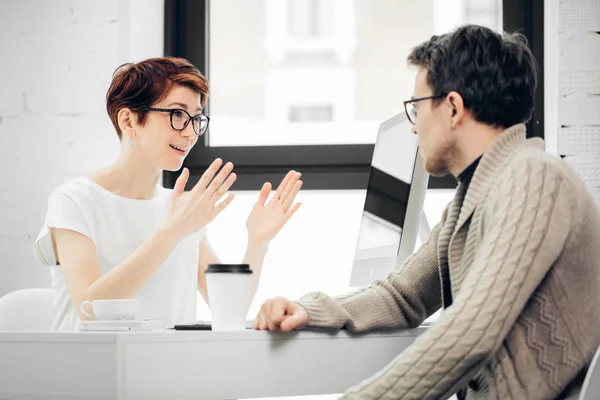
<point x="591" y="385"/>
<point x="27" y="310"/>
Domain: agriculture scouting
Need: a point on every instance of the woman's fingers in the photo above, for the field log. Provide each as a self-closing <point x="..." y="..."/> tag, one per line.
<point x="220" y="192"/>
<point x="290" y="186"/>
<point x="207" y="176"/>
<point x="293" y="210"/>
<point x="264" y="195"/>
<point x="180" y="183"/>
<point x="219" y="179"/>
<point x="283" y="184"/>
<point x="221" y="206"/>
<point x="289" y="200"/>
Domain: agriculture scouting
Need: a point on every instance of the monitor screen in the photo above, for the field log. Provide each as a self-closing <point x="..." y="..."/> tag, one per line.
<point x="394" y="168"/>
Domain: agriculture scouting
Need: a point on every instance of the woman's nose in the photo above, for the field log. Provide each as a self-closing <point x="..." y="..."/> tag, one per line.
<point x="188" y="132"/>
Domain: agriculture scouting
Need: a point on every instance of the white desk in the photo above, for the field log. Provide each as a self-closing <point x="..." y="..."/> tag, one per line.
<point x="190" y="364"/>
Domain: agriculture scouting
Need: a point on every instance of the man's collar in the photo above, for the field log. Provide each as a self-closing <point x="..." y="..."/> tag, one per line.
<point x="492" y="161"/>
<point x="465" y="176"/>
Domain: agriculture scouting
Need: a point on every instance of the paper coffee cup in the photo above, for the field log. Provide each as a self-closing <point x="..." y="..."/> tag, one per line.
<point x="229" y="291"/>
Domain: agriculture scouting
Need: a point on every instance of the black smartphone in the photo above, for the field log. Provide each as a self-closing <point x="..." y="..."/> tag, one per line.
<point x="204" y="326"/>
<point x="193" y="327"/>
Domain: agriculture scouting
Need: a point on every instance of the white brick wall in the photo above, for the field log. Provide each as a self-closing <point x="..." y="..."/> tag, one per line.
<point x="573" y="85"/>
<point x="56" y="61"/>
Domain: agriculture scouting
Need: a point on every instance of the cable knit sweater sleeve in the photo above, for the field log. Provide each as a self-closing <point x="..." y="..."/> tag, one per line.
<point x="404" y="300"/>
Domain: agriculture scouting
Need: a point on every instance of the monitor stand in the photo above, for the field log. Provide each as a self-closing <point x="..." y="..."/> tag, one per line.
<point x="424" y="228"/>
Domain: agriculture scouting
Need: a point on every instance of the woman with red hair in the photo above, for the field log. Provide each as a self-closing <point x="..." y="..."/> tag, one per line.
<point x="118" y="234"/>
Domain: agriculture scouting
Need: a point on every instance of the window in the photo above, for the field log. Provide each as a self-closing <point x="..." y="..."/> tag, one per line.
<point x="311" y="113"/>
<point x="309" y="18"/>
<point x="276" y="66"/>
<point x="304" y="84"/>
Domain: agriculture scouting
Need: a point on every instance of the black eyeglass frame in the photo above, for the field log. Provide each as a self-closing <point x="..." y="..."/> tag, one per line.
<point x="171" y="111"/>
<point x="406" y="102"/>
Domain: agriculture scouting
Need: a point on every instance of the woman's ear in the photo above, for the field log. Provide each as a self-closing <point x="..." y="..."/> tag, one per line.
<point x="457" y="108"/>
<point x="126" y="120"/>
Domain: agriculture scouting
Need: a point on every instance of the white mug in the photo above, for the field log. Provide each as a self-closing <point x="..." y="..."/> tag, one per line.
<point x="114" y="309"/>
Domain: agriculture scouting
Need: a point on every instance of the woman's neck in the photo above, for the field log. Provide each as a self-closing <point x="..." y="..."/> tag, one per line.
<point x="129" y="178"/>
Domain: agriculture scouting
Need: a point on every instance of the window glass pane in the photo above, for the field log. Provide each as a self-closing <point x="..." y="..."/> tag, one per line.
<point x="291" y="72"/>
<point x="311" y="113"/>
<point x="314" y="251"/>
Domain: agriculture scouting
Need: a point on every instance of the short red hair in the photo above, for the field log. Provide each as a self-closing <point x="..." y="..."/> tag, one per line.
<point x="141" y="85"/>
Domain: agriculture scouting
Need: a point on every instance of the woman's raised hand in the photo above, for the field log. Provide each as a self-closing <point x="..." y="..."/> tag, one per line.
<point x="193" y="210"/>
<point x="268" y="217"/>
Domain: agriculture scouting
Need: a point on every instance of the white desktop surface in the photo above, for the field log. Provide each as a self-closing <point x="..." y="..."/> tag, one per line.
<point x="190" y="364"/>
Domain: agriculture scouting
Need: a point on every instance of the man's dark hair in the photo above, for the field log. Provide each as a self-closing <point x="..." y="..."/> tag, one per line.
<point x="494" y="74"/>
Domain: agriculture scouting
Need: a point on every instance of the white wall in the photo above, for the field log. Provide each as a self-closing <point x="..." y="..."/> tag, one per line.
<point x="572" y="74"/>
<point x="56" y="61"/>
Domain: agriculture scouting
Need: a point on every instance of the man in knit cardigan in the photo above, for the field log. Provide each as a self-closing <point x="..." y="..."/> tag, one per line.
<point x="515" y="260"/>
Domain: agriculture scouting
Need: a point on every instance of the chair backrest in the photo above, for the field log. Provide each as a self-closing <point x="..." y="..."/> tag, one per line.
<point x="27" y="310"/>
<point x="591" y="385"/>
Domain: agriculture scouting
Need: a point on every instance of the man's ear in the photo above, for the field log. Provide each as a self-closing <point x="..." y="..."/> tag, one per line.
<point x="457" y="108"/>
<point x="126" y="120"/>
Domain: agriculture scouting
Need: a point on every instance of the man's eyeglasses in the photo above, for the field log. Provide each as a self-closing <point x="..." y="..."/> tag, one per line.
<point x="180" y="119"/>
<point x="411" y="111"/>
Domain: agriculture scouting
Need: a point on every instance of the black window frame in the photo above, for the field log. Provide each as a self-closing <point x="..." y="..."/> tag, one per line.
<point x="323" y="167"/>
<point x="527" y="17"/>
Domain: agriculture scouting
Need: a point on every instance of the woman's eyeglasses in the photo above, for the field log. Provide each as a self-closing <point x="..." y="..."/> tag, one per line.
<point x="180" y="119"/>
<point x="411" y="111"/>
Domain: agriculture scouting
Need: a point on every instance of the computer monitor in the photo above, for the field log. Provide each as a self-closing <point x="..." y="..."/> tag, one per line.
<point x="394" y="203"/>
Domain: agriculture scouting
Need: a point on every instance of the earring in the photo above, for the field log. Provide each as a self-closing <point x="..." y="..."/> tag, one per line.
<point x="131" y="141"/>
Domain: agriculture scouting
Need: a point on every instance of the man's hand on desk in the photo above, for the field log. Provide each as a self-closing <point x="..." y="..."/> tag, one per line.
<point x="282" y="315"/>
